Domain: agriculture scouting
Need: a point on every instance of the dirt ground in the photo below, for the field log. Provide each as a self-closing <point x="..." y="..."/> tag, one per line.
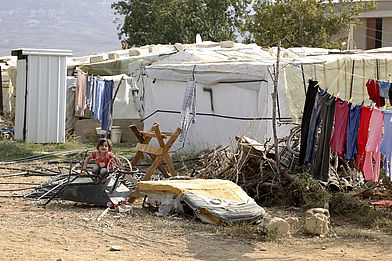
<point x="70" y="231"/>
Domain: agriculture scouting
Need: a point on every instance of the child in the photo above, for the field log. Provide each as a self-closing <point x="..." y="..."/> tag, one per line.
<point x="102" y="157"/>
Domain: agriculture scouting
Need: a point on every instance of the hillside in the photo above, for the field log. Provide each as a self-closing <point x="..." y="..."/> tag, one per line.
<point x="83" y="26"/>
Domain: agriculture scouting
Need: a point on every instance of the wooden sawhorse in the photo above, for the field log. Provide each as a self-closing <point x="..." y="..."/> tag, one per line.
<point x="157" y="154"/>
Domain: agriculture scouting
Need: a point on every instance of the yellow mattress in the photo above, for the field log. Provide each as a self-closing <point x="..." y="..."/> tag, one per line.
<point x="213" y="188"/>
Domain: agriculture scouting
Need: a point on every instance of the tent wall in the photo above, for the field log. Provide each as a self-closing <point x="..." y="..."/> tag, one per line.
<point x="346" y="77"/>
<point x="234" y="104"/>
<point x="125" y="105"/>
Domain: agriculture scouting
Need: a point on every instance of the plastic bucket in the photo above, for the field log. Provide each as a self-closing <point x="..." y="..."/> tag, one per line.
<point x="116" y="134"/>
<point x="100" y="133"/>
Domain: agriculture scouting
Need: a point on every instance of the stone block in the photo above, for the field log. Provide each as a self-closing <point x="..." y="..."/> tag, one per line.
<point x="317" y="221"/>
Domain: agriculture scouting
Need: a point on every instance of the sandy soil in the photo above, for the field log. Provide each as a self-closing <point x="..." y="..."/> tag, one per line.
<point x="70" y="231"/>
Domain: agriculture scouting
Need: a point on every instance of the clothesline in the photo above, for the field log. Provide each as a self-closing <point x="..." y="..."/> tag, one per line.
<point x="96" y="94"/>
<point x="351" y="131"/>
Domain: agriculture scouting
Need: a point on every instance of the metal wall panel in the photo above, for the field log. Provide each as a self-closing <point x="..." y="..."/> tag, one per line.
<point x="44" y="117"/>
<point x="20" y="99"/>
<point x="46" y="102"/>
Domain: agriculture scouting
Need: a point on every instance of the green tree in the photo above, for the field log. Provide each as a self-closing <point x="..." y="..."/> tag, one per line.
<point x="170" y="21"/>
<point x="312" y="23"/>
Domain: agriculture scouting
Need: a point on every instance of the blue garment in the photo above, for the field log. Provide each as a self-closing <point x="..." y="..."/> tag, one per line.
<point x="384" y="89"/>
<point x="386" y="143"/>
<point x="352" y="132"/>
<point x="106" y="104"/>
<point x="98" y="99"/>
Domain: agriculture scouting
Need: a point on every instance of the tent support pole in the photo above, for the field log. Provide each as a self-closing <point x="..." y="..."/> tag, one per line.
<point x="274" y="112"/>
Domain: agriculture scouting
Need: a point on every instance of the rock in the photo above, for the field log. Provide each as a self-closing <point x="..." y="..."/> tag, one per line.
<point x="317" y="221"/>
<point x="275" y="226"/>
<point x="115" y="248"/>
<point x="293" y="221"/>
<point x="60" y="259"/>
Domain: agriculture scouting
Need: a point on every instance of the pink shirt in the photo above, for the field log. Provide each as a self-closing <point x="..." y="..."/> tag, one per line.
<point x="338" y="140"/>
<point x="372" y="171"/>
<point x="102" y="161"/>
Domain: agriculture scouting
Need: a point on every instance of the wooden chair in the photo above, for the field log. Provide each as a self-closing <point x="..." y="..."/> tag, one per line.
<point x="157" y="154"/>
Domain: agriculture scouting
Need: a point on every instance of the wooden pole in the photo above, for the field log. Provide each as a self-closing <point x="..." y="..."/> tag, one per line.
<point x="274" y="112"/>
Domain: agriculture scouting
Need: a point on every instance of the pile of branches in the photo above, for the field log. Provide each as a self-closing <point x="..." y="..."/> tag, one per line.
<point x="250" y="164"/>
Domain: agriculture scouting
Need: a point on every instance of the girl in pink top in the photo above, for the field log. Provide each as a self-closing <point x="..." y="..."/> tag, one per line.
<point x="102" y="156"/>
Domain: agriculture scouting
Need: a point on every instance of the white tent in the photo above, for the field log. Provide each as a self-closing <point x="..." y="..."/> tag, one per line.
<point x="234" y="85"/>
<point x="233" y="94"/>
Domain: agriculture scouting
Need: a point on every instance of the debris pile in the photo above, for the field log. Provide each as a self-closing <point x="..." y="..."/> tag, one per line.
<point x="6" y="128"/>
<point x="252" y="166"/>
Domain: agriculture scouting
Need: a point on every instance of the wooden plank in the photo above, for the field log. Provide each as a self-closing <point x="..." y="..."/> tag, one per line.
<point x="152" y="134"/>
<point x="137" y="133"/>
<point x="159" y="136"/>
<point x="149" y="149"/>
<point x="139" y="154"/>
<point x="170" y="165"/>
<point x="172" y="139"/>
<point x="152" y="168"/>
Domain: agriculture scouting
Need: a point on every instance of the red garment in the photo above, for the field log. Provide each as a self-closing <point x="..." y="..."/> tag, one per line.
<point x="363" y="135"/>
<point x="373" y="89"/>
<point x="371" y="170"/>
<point x="338" y="140"/>
<point x="102" y="162"/>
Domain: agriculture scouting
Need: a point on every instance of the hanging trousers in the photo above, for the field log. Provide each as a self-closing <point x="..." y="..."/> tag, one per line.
<point x="326" y="111"/>
<point x="308" y="108"/>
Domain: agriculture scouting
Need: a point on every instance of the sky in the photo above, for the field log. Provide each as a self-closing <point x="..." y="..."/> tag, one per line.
<point x="85" y="27"/>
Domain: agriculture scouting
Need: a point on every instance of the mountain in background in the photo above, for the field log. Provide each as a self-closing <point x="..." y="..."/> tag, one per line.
<point x="83" y="26"/>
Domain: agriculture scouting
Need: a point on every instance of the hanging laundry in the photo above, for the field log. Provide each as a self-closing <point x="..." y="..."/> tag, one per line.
<point x="81" y="85"/>
<point x="322" y="117"/>
<point x="320" y="169"/>
<point x="386" y="143"/>
<point x="98" y="99"/>
<point x="338" y="140"/>
<point x="373" y="89"/>
<point x="384" y="89"/>
<point x="93" y="90"/>
<point x="308" y="108"/>
<point x="188" y="107"/>
<point x="390" y="94"/>
<point x="89" y="91"/>
<point x="106" y="123"/>
<point x="352" y="132"/>
<point x="314" y="122"/>
<point x="363" y="135"/>
<point x="371" y="165"/>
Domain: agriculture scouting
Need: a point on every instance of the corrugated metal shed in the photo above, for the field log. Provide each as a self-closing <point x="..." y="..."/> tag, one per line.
<point x="41" y="95"/>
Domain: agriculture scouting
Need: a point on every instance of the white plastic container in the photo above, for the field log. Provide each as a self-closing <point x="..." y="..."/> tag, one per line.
<point x="100" y="133"/>
<point x="116" y="134"/>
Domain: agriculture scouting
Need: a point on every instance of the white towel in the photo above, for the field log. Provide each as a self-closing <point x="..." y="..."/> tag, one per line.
<point x="188" y="108"/>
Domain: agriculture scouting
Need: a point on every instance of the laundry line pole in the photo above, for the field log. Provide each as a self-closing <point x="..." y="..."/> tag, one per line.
<point x="274" y="111"/>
